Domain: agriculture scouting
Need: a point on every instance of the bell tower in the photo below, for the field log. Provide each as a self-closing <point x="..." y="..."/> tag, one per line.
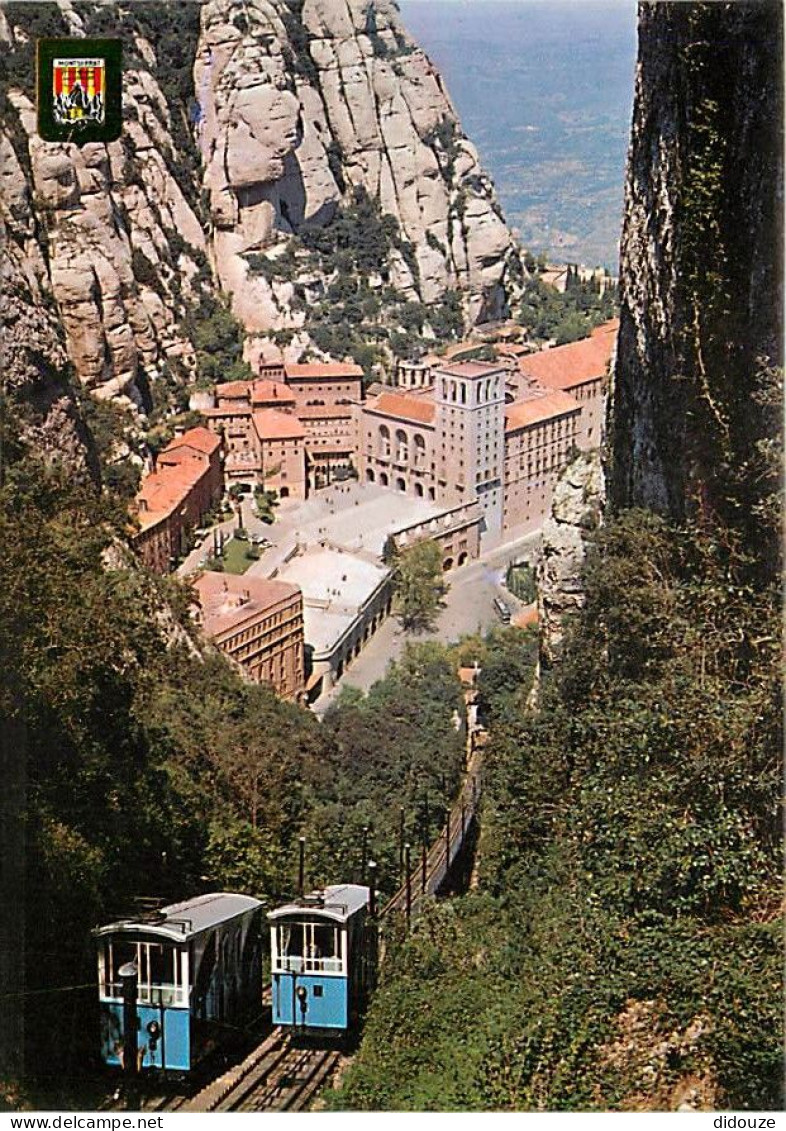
<point x="470" y="437"/>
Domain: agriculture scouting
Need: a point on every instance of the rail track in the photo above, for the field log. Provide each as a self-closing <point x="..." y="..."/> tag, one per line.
<point x="277" y="1076"/>
<point x="429" y="874"/>
<point x="280" y="1075"/>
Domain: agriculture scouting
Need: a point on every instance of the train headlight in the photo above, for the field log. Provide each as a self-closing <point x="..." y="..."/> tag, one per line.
<point x="154" y="1032"/>
<point x="302" y="996"/>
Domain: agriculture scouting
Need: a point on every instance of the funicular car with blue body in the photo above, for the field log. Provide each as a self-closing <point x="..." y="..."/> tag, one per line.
<point x="197" y="971"/>
<point x="323" y="960"/>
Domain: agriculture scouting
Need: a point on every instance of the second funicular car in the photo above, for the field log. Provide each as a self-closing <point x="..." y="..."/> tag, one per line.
<point x="323" y="959"/>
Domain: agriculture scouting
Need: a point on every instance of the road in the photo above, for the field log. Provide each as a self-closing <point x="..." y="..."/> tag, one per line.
<point x="469" y="602"/>
<point x="468" y="609"/>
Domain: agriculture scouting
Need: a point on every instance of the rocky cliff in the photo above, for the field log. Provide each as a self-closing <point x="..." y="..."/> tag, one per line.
<point x="700" y="262"/>
<point x="576" y="512"/>
<point x="300" y="100"/>
<point x="246" y="126"/>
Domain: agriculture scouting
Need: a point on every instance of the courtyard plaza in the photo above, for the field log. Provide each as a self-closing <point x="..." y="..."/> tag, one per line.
<point x="331" y="546"/>
<point x="356" y="516"/>
<point x="468" y="608"/>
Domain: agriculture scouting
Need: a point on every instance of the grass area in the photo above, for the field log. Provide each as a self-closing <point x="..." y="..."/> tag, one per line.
<point x="235" y="560"/>
<point x="520" y="580"/>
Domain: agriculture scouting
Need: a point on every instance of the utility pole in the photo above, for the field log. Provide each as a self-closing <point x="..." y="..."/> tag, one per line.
<point x="409" y="886"/>
<point x="301" y="872"/>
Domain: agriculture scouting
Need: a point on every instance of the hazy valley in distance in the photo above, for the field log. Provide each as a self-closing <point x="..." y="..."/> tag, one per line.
<point x="544" y="89"/>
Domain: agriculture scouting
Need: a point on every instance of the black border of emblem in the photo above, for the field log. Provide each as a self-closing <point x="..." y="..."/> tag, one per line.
<point x="111" y="51"/>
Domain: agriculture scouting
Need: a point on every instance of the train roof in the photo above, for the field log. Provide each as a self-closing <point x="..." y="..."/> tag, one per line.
<point x="191" y="917"/>
<point x="338" y="902"/>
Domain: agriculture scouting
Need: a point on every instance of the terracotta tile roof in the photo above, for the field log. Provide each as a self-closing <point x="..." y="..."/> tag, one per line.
<point x="417" y="409"/>
<point x="233" y="390"/>
<point x="165" y="490"/>
<point x="514" y="349"/>
<point x="227" y="600"/>
<point x="227" y="410"/>
<point x="565" y="367"/>
<point x="267" y="392"/>
<point x="201" y="439"/>
<point x="470" y="369"/>
<point x="272" y="425"/>
<point x="327" y="370"/>
<point x="522" y="414"/>
<point x="526" y="617"/>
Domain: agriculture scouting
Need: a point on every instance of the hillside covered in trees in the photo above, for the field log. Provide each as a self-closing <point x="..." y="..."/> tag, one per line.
<point x="623" y="947"/>
<point x="138" y="762"/>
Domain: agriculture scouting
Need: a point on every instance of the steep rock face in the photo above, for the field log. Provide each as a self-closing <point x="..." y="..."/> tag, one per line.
<point x="302" y="100"/>
<point x="33" y="359"/>
<point x="700" y="260"/>
<point x="576" y="512"/>
<point x="118" y="241"/>
<point x="243" y="123"/>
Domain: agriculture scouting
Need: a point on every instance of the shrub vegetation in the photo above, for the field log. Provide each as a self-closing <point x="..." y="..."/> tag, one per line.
<point x="625" y="942"/>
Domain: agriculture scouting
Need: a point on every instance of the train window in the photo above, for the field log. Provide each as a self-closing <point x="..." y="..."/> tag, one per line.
<point x="119" y="952"/>
<point x="162" y="965"/>
<point x="308" y="946"/>
<point x="157" y="970"/>
<point x="323" y="943"/>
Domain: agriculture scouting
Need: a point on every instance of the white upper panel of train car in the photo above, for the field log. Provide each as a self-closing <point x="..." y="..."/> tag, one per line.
<point x="339" y="902"/>
<point x="191" y="917"/>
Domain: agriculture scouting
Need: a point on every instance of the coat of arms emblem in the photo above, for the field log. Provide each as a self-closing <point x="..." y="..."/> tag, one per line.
<point x="79" y="89"/>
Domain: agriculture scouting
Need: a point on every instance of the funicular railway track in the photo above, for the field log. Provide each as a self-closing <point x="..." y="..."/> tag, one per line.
<point x="427" y="876"/>
<point x="278" y="1075"/>
<point x="282" y="1075"/>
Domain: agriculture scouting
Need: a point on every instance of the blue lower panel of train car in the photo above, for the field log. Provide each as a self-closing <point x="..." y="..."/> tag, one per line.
<point x="172" y="1047"/>
<point x="325" y="1001"/>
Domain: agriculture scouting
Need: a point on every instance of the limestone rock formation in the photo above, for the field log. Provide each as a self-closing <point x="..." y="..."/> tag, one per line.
<point x="33" y="360"/>
<point x="244" y="122"/>
<point x="117" y="240"/>
<point x="575" y="513"/>
<point x="700" y="259"/>
<point x="301" y="102"/>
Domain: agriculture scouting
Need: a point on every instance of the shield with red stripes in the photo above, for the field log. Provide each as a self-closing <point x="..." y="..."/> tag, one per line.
<point x="79" y="90"/>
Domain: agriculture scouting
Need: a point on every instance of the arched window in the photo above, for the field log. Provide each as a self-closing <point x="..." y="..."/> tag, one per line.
<point x="369" y="475"/>
<point x="419" y="490"/>
<point x="383" y="479"/>
<point x="384" y="441"/>
<point x="420" y="450"/>
<point x="400" y="484"/>
<point x="402" y="446"/>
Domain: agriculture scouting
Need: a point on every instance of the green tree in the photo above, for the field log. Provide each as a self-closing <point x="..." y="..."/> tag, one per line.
<point x="419" y="585"/>
<point x="629" y="879"/>
<point x="218" y="340"/>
